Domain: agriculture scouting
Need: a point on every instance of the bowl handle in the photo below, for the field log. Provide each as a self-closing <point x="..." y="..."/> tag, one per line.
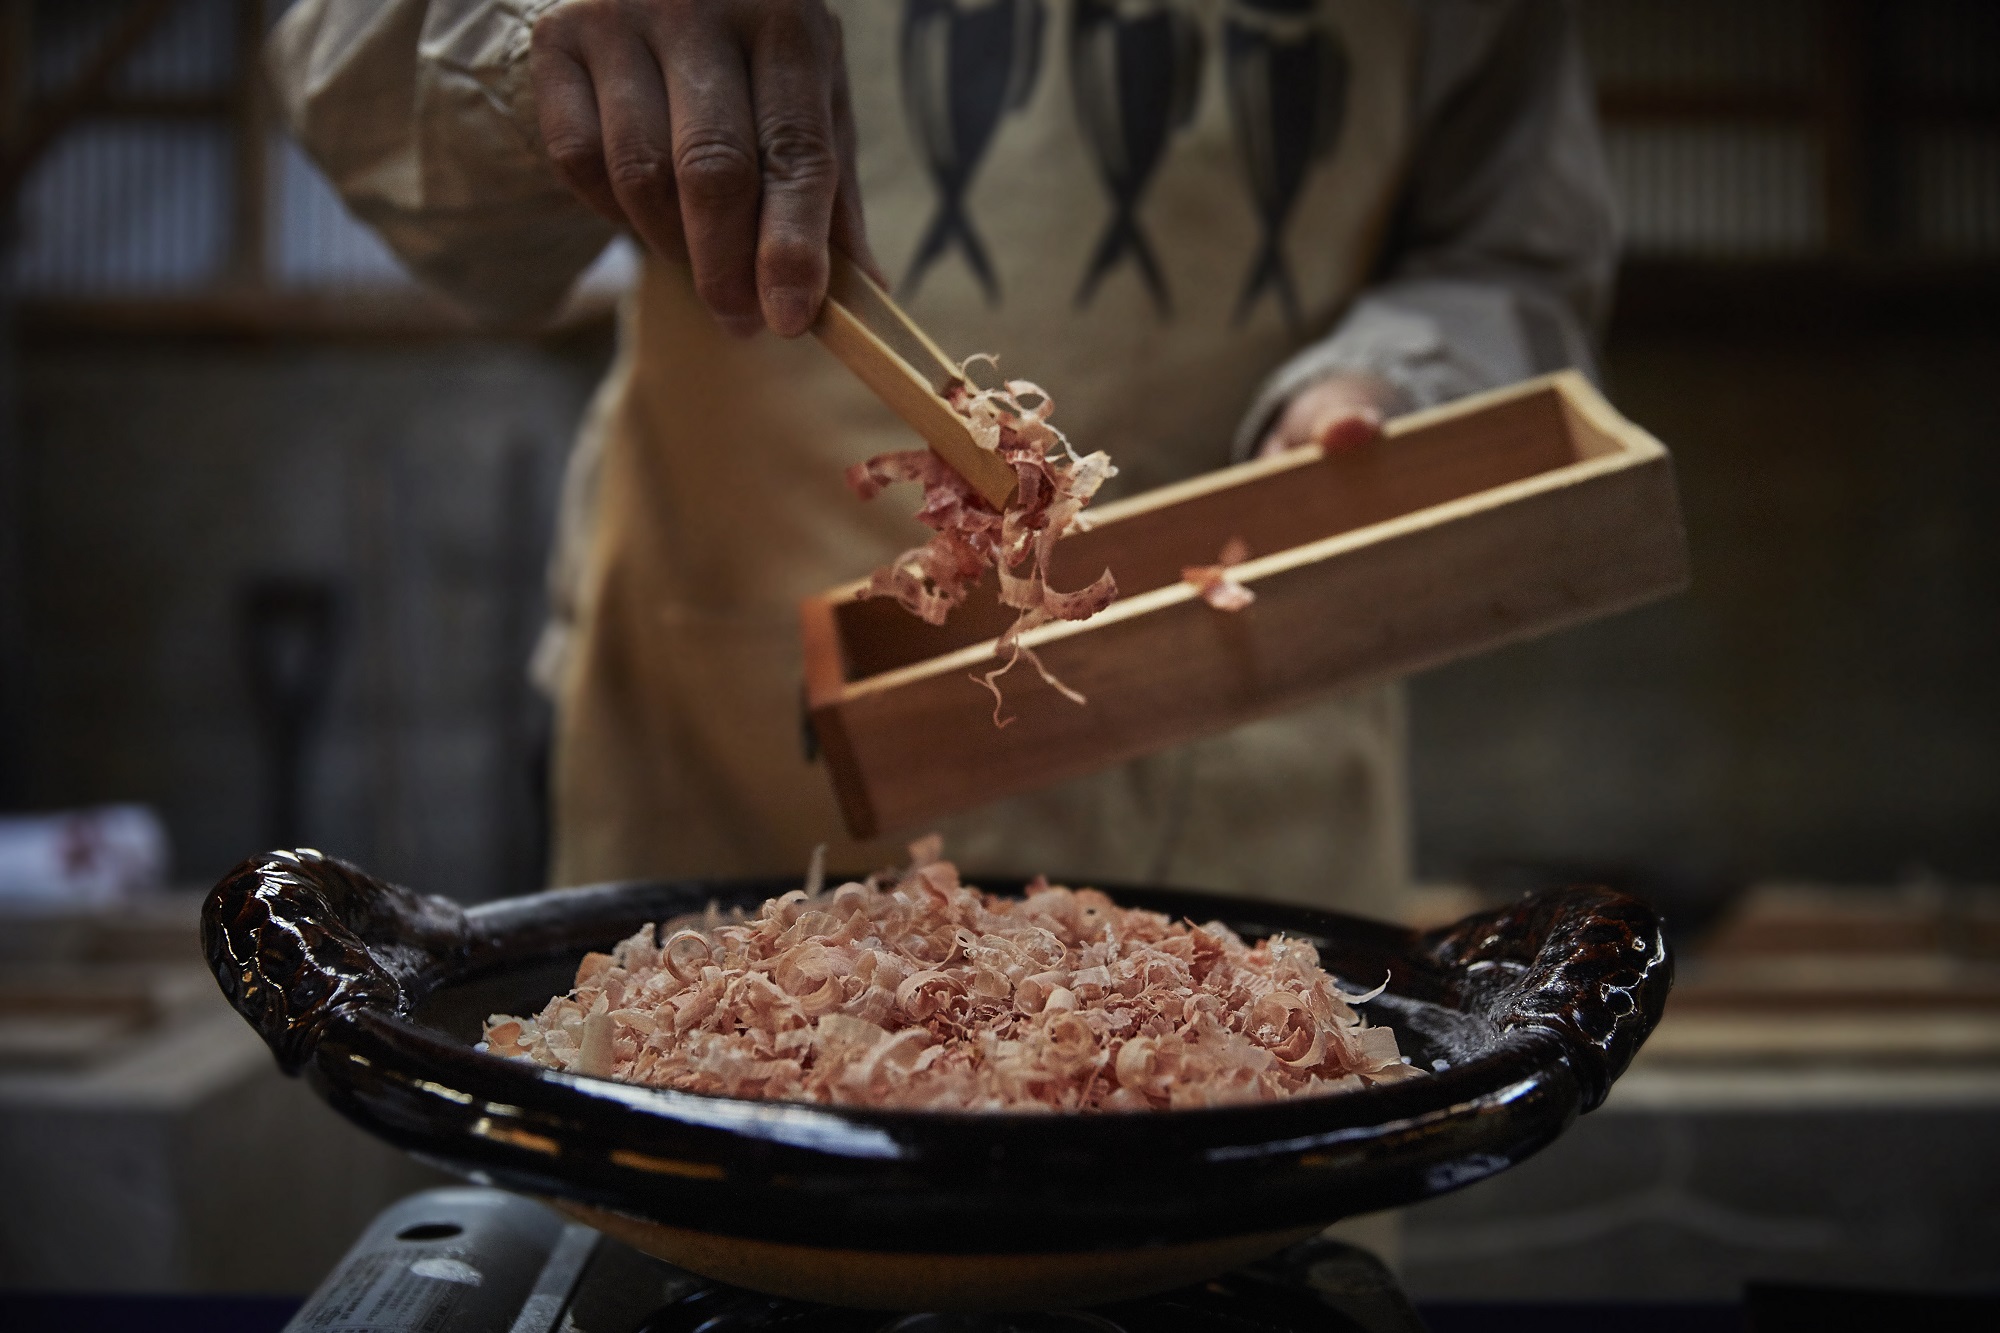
<point x="299" y="939"/>
<point x="1589" y="966"/>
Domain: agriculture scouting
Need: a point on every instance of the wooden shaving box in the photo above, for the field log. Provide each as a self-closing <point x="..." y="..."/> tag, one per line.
<point x="1465" y="527"/>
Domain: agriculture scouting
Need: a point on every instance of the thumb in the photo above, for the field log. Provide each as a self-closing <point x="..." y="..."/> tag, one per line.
<point x="1347" y="429"/>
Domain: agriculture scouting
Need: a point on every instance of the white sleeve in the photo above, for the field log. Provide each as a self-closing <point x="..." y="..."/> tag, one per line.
<point x="422" y="115"/>
<point x="1500" y="262"/>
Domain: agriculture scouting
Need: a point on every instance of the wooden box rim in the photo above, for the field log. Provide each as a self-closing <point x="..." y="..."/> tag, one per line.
<point x="827" y="684"/>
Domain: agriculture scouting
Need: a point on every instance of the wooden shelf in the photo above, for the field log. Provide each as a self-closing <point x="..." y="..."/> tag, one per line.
<point x="388" y="314"/>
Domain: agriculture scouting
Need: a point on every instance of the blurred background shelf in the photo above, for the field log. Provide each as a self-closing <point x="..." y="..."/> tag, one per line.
<point x="143" y="1125"/>
<point x="1818" y="1106"/>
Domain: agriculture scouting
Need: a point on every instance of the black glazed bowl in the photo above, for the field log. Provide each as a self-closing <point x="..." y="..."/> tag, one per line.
<point x="376" y="995"/>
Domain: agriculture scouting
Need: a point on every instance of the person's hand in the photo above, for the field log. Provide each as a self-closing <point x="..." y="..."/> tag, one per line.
<point x="718" y="130"/>
<point x="1334" y="413"/>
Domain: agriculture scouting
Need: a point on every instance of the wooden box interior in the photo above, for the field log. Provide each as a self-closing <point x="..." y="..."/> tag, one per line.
<point x="1274" y="505"/>
<point x="1499" y="516"/>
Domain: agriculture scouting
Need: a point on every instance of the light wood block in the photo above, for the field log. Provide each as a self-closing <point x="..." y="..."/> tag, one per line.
<point x="1498" y="517"/>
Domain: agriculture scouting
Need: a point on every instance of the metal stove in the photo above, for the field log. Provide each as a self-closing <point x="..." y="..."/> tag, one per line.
<point x="470" y="1260"/>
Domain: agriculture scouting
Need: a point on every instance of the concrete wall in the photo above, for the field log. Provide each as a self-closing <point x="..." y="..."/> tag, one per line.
<point x="417" y="478"/>
<point x="1823" y="701"/>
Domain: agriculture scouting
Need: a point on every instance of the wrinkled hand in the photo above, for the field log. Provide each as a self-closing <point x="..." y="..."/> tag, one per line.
<point x="720" y="130"/>
<point x="1335" y="413"/>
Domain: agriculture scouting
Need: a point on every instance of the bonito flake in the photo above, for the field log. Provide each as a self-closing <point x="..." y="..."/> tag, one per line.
<point x="914" y="990"/>
<point x="1217" y="586"/>
<point x="1053" y="484"/>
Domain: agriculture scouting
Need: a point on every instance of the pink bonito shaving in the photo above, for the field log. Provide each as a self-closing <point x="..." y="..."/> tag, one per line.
<point x="911" y="989"/>
<point x="1217" y="586"/>
<point x="1054" y="483"/>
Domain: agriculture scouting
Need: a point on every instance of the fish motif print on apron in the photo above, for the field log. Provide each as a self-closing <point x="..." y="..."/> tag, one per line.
<point x="1143" y="206"/>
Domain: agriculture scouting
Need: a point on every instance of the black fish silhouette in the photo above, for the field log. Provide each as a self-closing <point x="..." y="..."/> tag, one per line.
<point x="1135" y="69"/>
<point x="966" y="63"/>
<point x="1287" y="73"/>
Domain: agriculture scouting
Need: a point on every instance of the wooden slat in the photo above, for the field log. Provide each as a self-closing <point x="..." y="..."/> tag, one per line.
<point x="17" y="64"/>
<point x="368" y="314"/>
<point x="248" y="261"/>
<point x="825" y="684"/>
<point x="163" y="106"/>
<point x="852" y="290"/>
<point x="90" y="84"/>
<point x="859" y="324"/>
<point x="1954" y="1037"/>
<point x="1505" y="516"/>
<point x="1680" y="104"/>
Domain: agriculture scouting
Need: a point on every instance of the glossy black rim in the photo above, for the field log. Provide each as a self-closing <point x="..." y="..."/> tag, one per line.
<point x="1536" y="1007"/>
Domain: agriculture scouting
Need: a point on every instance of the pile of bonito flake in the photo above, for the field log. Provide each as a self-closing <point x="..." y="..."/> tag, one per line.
<point x="1053" y="483"/>
<point x="914" y="990"/>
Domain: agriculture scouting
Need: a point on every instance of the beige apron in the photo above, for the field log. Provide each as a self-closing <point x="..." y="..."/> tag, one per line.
<point x="713" y="467"/>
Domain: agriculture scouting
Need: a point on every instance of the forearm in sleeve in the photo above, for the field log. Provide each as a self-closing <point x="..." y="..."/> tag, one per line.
<point x="422" y="115"/>
<point x="1501" y="260"/>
